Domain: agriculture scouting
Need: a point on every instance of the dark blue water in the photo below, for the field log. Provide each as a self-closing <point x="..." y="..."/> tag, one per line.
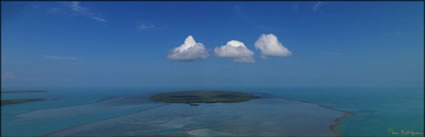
<point x="375" y="110"/>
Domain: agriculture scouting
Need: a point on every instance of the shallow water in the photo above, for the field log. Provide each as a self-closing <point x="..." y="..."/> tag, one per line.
<point x="374" y="111"/>
<point x="259" y="117"/>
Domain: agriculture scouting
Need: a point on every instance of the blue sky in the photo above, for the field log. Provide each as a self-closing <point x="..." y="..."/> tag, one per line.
<point x="127" y="44"/>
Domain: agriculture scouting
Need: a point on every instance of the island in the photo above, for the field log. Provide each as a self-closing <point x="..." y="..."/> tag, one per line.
<point x="23" y="91"/>
<point x="16" y="101"/>
<point x="202" y="96"/>
<point x="264" y="116"/>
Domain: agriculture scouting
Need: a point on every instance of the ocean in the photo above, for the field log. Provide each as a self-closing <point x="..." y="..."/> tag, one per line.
<point x="374" y="111"/>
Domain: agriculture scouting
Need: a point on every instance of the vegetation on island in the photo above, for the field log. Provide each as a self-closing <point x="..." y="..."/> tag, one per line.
<point x="202" y="96"/>
<point x="16" y="101"/>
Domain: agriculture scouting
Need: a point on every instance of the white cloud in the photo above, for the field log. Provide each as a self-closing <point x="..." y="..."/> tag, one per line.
<point x="189" y="51"/>
<point x="53" y="10"/>
<point x="317" y="6"/>
<point x="68" y="58"/>
<point x="76" y="7"/>
<point x="269" y="45"/>
<point x="99" y="19"/>
<point x="235" y="50"/>
<point x="145" y="26"/>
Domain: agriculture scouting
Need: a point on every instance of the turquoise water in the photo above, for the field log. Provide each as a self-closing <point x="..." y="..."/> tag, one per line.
<point x="257" y="117"/>
<point x="374" y="109"/>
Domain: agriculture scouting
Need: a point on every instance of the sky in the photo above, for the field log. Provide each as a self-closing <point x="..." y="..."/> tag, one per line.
<point x="212" y="44"/>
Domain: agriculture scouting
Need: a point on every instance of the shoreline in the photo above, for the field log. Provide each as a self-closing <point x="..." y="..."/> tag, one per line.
<point x="19" y="101"/>
<point x="337" y="121"/>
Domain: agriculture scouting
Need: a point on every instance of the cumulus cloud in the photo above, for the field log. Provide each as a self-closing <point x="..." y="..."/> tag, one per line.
<point x="269" y="45"/>
<point x="145" y="26"/>
<point x="236" y="50"/>
<point x="76" y="7"/>
<point x="188" y="51"/>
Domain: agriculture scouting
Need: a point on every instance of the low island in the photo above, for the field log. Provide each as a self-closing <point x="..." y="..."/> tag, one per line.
<point x="16" y="101"/>
<point x="264" y="116"/>
<point x="23" y="91"/>
<point x="203" y="96"/>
